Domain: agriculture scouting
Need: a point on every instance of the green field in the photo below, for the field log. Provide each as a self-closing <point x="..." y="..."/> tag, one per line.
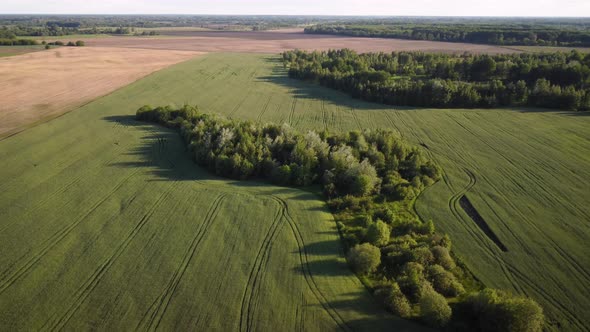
<point x="16" y="50"/>
<point x="107" y="224"/>
<point x="101" y="201"/>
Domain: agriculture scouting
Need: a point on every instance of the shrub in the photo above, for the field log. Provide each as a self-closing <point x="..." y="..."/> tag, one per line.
<point x="434" y="309"/>
<point x="80" y="43"/>
<point x="393" y="298"/>
<point x="494" y="310"/>
<point x="444" y="281"/>
<point x="443" y="257"/>
<point x="378" y="233"/>
<point x="364" y="258"/>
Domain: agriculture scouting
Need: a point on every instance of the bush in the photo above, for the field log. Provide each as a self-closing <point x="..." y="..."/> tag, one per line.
<point x="444" y="281"/>
<point x="393" y="298"/>
<point x="434" y="309"/>
<point x="495" y="310"/>
<point x="364" y="258"/>
<point x="378" y="233"/>
<point x="443" y="257"/>
<point x="80" y="43"/>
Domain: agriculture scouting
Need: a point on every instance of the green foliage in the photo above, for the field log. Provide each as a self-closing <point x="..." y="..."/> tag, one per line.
<point x="378" y="233"/>
<point x="434" y="309"/>
<point x="364" y="258"/>
<point x="492" y="32"/>
<point x="243" y="150"/>
<point x="495" y="310"/>
<point x="552" y="80"/>
<point x="394" y="300"/>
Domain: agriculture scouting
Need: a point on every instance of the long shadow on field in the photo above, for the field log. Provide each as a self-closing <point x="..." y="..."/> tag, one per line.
<point x="162" y="152"/>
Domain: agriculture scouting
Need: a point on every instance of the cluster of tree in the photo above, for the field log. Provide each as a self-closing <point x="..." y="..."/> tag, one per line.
<point x="466" y="33"/>
<point x="553" y="80"/>
<point x="355" y="163"/>
<point x="77" y="43"/>
<point x="413" y="273"/>
<point x="147" y="33"/>
<point x="409" y="265"/>
<point x="17" y="42"/>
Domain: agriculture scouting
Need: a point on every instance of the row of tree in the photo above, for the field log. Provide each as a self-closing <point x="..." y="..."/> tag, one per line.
<point x="466" y="33"/>
<point x="409" y="265"/>
<point x="556" y="80"/>
<point x="354" y="163"/>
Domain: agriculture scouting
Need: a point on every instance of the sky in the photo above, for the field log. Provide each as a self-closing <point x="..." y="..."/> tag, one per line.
<point x="575" y="8"/>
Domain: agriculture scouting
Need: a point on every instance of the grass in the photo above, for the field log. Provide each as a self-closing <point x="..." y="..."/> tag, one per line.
<point x="6" y="51"/>
<point x="524" y="171"/>
<point x="106" y="223"/>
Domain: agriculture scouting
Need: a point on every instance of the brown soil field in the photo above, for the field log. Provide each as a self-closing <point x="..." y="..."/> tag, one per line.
<point x="282" y="40"/>
<point x="39" y="86"/>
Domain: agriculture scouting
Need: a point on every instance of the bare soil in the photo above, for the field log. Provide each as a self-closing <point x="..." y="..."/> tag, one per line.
<point x="282" y="40"/>
<point x="41" y="85"/>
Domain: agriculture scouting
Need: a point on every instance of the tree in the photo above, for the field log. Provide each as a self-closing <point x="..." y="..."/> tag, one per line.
<point x="378" y="233"/>
<point x="364" y="258"/>
<point x="434" y="309"/>
<point x="80" y="43"/>
<point x="393" y="298"/>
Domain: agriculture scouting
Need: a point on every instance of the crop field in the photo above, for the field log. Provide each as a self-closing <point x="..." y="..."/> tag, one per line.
<point x="38" y="86"/>
<point x="513" y="196"/>
<point x="108" y="201"/>
<point x="282" y="40"/>
<point x="106" y="223"/>
<point x="6" y="51"/>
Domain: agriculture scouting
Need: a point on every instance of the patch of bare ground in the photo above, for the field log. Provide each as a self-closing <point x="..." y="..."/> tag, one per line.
<point x="38" y="86"/>
<point x="282" y="40"/>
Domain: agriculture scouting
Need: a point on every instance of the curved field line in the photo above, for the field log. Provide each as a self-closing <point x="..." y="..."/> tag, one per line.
<point x="292" y="111"/>
<point x="356" y="118"/>
<point x="12" y="277"/>
<point x="158" y="308"/>
<point x="87" y="288"/>
<point x="238" y="105"/>
<point x="264" y="108"/>
<point x="549" y="299"/>
<point x="253" y="279"/>
<point x="453" y="207"/>
<point x="332" y="312"/>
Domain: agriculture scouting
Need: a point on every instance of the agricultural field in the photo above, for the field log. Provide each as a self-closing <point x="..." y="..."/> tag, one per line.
<point x="42" y="85"/>
<point x="188" y="246"/>
<point x="6" y="51"/>
<point x="282" y="40"/>
<point x="527" y="186"/>
<point x="141" y="239"/>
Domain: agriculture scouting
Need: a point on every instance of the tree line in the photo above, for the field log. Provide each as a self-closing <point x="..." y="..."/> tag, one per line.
<point x="464" y="33"/>
<point x="552" y="80"/>
<point x="406" y="263"/>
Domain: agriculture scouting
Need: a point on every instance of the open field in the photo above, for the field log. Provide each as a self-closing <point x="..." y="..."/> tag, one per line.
<point x="17" y="50"/>
<point x="523" y="171"/>
<point x="107" y="224"/>
<point x="282" y="40"/>
<point x="42" y="85"/>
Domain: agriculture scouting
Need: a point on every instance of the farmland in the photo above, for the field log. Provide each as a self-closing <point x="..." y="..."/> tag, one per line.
<point x="527" y="184"/>
<point x="186" y="244"/>
<point x="108" y="201"/>
<point x="42" y="85"/>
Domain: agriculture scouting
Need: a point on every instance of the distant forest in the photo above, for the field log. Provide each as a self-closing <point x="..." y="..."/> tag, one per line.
<point x="534" y="32"/>
<point x="552" y="80"/>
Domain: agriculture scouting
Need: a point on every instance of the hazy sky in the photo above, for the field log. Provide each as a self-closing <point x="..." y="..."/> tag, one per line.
<point x="305" y="7"/>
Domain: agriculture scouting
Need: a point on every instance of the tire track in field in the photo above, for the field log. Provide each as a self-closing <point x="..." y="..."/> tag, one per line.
<point x="86" y="289"/>
<point x="153" y="317"/>
<point x="11" y="277"/>
<point x="292" y="111"/>
<point x="238" y="105"/>
<point x="562" y="253"/>
<point x="454" y="208"/>
<point x="262" y="256"/>
<point x="572" y="318"/>
<point x="308" y="276"/>
<point x="356" y="118"/>
<point x="324" y="115"/>
<point x="386" y="113"/>
<point x="264" y="108"/>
